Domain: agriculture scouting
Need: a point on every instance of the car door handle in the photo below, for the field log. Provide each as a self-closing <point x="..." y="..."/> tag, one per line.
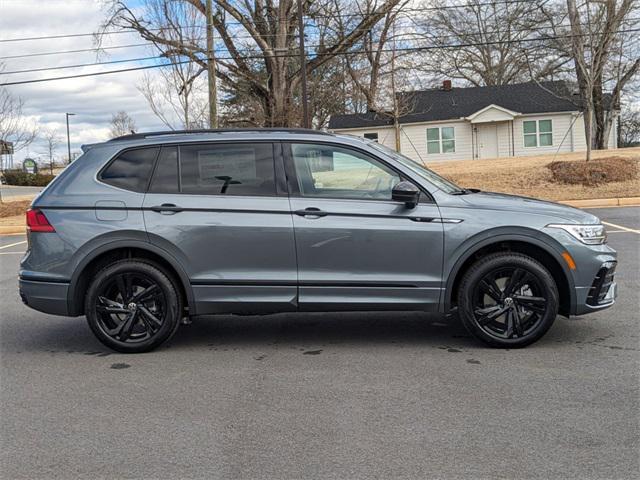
<point x="166" y="208"/>
<point x="311" y="212"/>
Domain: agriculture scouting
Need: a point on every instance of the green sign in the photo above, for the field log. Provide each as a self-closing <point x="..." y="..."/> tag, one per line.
<point x="30" y="166"/>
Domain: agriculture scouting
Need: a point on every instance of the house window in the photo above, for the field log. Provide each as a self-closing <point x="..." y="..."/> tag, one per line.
<point x="441" y="140"/>
<point x="371" y="136"/>
<point x="537" y="133"/>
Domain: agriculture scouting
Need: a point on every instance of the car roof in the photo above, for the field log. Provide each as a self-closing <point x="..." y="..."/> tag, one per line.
<point x="231" y="134"/>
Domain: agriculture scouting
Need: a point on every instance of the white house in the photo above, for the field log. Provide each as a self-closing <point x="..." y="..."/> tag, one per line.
<point x="479" y="122"/>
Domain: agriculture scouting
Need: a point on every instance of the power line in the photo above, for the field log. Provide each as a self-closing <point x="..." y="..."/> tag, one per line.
<point x="310" y="17"/>
<point x="288" y="55"/>
<point x="97" y="49"/>
<point x="62" y="67"/>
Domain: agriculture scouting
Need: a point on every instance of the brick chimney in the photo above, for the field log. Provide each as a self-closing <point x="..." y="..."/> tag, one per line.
<point x="446" y="85"/>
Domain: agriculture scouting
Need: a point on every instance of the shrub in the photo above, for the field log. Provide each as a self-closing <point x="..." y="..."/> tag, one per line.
<point x="594" y="172"/>
<point x="24" y="179"/>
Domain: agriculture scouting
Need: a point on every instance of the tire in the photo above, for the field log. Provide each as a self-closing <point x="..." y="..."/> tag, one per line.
<point x="133" y="306"/>
<point x="507" y="300"/>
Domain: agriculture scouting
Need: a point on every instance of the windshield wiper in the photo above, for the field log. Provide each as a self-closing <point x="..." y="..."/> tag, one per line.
<point x="465" y="191"/>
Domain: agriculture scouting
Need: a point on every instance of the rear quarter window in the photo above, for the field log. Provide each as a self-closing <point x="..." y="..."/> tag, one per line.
<point x="131" y="169"/>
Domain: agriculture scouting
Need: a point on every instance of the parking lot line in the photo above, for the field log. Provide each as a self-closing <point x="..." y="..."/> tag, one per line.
<point x="12" y="245"/>
<point x="11" y="253"/>
<point x="626" y="229"/>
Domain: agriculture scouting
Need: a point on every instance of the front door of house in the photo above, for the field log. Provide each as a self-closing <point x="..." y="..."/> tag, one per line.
<point x="487" y="141"/>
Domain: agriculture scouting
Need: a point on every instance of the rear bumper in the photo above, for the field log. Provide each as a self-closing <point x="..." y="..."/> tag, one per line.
<point x="47" y="297"/>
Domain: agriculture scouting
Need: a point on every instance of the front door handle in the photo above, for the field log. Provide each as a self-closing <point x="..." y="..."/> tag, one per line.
<point x="311" y="212"/>
<point x="166" y="208"/>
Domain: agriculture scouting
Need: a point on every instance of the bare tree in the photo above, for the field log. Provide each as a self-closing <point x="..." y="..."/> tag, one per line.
<point x="486" y="43"/>
<point x="121" y="124"/>
<point x="15" y="127"/>
<point x="629" y="128"/>
<point x="52" y="141"/>
<point x="604" y="57"/>
<point x="260" y="42"/>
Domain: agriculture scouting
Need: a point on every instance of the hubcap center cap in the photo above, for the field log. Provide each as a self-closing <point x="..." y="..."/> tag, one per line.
<point x="132" y="307"/>
<point x="508" y="302"/>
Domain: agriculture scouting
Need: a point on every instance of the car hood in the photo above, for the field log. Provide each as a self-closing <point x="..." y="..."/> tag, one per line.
<point x="515" y="203"/>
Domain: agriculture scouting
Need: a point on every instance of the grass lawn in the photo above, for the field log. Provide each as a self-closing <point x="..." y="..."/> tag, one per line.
<point x="529" y="176"/>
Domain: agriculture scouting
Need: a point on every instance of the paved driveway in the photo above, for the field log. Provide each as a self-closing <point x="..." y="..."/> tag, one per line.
<point x="323" y="395"/>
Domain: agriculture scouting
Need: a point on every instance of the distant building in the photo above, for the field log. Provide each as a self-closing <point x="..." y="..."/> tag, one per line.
<point x="479" y="122"/>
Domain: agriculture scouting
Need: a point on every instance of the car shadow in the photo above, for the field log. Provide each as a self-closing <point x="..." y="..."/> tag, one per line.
<point x="299" y="329"/>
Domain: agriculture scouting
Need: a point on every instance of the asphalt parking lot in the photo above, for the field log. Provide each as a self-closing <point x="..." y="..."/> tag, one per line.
<point x="324" y="395"/>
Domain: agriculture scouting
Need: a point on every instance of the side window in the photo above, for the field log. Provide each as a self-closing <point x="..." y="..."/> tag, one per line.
<point x="165" y="178"/>
<point x="335" y="172"/>
<point x="227" y="169"/>
<point x="537" y="133"/>
<point x="131" y="169"/>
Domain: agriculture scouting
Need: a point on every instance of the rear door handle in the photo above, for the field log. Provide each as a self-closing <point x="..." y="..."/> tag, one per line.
<point x="166" y="208"/>
<point x="311" y="212"/>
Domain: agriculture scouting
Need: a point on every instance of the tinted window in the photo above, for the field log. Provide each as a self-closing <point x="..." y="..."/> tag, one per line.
<point x="165" y="178"/>
<point x="227" y="169"/>
<point x="131" y="169"/>
<point x="334" y="172"/>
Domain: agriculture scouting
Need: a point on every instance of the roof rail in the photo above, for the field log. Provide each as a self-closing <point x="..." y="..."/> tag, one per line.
<point x="136" y="136"/>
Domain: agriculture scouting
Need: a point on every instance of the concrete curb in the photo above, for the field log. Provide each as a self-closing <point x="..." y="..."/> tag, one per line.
<point x="591" y="203"/>
<point x="603" y="202"/>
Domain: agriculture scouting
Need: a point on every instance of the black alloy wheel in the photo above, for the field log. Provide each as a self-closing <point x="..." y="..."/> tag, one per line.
<point x="508" y="300"/>
<point x="132" y="306"/>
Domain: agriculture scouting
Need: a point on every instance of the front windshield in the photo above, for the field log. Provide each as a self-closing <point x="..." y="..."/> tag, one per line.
<point x="418" y="168"/>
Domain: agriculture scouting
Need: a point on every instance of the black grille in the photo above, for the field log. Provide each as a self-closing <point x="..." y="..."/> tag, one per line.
<point x="601" y="285"/>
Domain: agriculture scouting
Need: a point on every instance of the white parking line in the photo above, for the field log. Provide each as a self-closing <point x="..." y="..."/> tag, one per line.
<point x="12" y="245"/>
<point x="11" y="253"/>
<point x="626" y="229"/>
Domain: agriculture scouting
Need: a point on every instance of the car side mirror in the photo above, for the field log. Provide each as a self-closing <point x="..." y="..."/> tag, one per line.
<point x="406" y="192"/>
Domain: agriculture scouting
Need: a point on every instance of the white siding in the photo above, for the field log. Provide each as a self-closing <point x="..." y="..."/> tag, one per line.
<point x="561" y="134"/>
<point x="413" y="139"/>
<point x="504" y="139"/>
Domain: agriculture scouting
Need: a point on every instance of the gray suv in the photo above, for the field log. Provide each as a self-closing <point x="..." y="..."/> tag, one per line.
<point x="146" y="230"/>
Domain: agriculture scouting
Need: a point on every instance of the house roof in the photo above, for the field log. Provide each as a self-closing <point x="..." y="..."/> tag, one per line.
<point x="437" y="104"/>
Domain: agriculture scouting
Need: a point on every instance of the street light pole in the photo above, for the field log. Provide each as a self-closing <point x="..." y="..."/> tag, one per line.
<point x="68" y="138"/>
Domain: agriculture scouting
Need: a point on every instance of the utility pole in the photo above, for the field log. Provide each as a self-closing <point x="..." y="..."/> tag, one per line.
<point x="68" y="138"/>
<point x="306" y="123"/>
<point x="396" y="109"/>
<point x="211" y="69"/>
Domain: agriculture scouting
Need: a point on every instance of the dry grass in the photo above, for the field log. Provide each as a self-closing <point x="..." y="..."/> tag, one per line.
<point x="11" y="209"/>
<point x="529" y="176"/>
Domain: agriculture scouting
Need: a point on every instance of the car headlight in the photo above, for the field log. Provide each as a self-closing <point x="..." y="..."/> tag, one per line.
<point x="589" y="234"/>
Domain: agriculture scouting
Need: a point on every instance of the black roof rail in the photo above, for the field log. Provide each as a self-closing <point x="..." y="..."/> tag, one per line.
<point x="136" y="136"/>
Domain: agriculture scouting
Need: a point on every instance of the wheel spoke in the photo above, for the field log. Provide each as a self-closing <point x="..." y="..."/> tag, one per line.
<point x="517" y="321"/>
<point x="490" y="287"/>
<point x="145" y="294"/>
<point x="509" y="323"/>
<point x="110" y="306"/>
<point x="537" y="304"/>
<point x="127" y="327"/>
<point x="488" y="314"/>
<point x="124" y="283"/>
<point x="516" y="281"/>
<point x="150" y="317"/>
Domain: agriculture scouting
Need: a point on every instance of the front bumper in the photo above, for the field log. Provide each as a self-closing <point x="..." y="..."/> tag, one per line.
<point x="47" y="297"/>
<point x="601" y="294"/>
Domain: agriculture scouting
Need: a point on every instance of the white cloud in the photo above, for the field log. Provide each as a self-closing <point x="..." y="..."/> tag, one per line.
<point x="92" y="99"/>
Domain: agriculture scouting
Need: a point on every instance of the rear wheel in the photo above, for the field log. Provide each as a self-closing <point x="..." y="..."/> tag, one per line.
<point x="133" y="306"/>
<point x="508" y="300"/>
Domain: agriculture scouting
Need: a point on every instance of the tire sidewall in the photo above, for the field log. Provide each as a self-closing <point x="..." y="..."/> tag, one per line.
<point x="170" y="323"/>
<point x="492" y="262"/>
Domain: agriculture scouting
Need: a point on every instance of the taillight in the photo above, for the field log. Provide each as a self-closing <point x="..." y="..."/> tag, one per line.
<point x="37" y="222"/>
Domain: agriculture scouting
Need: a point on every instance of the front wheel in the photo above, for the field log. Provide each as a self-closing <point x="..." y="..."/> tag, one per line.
<point x="508" y="300"/>
<point x="133" y="306"/>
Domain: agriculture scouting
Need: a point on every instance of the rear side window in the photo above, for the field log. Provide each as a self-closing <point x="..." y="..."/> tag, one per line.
<point x="227" y="169"/>
<point x="131" y="169"/>
<point x="165" y="177"/>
